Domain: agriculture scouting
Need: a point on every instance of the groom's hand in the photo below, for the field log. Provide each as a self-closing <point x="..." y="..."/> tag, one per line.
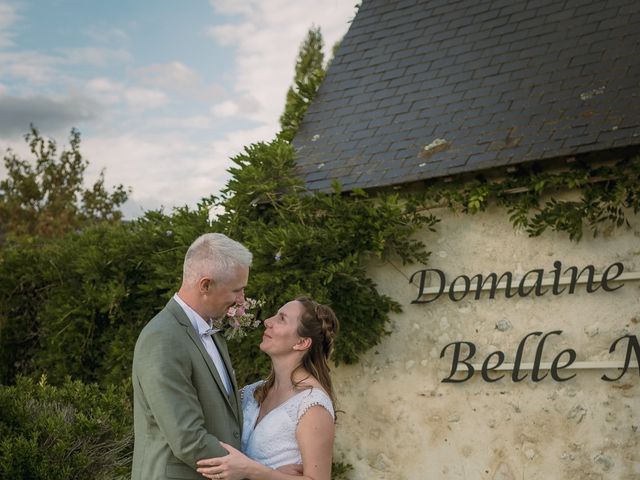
<point x="233" y="466"/>
<point x="292" y="469"/>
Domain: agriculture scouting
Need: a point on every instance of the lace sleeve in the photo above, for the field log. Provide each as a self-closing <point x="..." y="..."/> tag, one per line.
<point x="315" y="397"/>
<point x="246" y="392"/>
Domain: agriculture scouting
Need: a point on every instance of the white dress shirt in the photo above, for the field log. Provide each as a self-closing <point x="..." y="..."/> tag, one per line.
<point x="203" y="328"/>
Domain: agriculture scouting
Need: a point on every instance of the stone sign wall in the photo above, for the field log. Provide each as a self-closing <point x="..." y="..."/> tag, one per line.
<point x="401" y="421"/>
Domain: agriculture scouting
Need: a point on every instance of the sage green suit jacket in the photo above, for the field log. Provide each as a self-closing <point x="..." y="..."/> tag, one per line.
<point x="181" y="409"/>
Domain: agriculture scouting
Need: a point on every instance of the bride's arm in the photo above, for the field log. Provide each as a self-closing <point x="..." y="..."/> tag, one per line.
<point x="314" y="434"/>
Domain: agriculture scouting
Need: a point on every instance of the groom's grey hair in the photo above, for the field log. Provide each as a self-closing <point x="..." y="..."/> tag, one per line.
<point x="216" y="256"/>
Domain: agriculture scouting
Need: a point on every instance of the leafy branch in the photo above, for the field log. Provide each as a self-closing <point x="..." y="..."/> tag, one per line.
<point x="605" y="193"/>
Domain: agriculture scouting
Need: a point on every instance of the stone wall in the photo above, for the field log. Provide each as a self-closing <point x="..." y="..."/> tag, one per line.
<point x="399" y="420"/>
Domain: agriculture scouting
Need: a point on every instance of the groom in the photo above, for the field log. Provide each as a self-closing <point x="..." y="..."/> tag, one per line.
<point x="184" y="390"/>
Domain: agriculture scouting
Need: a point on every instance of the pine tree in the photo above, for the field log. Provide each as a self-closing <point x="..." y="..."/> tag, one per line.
<point x="309" y="73"/>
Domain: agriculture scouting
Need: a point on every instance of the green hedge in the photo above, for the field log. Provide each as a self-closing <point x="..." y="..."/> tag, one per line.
<point x="74" y="431"/>
<point x="75" y="305"/>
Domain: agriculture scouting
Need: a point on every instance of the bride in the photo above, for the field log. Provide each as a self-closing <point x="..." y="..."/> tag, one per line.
<point x="288" y="418"/>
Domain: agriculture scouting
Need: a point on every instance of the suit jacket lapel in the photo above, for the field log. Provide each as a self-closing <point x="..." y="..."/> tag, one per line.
<point x="182" y="318"/>
<point x="224" y="352"/>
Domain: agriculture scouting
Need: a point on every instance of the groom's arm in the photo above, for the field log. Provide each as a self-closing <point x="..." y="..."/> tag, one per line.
<point x="164" y="374"/>
<point x="292" y="469"/>
<point x="236" y="465"/>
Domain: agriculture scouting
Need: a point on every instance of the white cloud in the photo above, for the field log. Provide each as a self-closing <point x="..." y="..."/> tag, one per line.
<point x="225" y="109"/>
<point x="107" y="35"/>
<point x="144" y="98"/>
<point x="8" y="16"/>
<point x="38" y="69"/>
<point x="105" y="90"/>
<point x="170" y="75"/>
<point x="232" y="7"/>
<point x="267" y="35"/>
<point x="238" y="107"/>
<point x="33" y="69"/>
<point x="177" y="171"/>
<point x="177" y="77"/>
<point x="96" y="56"/>
<point x="195" y="122"/>
<point x="168" y="159"/>
<point x="29" y="66"/>
<point x="233" y="142"/>
<point x="231" y="34"/>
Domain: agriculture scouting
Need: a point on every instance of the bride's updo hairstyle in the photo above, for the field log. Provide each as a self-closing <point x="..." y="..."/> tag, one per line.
<point x="319" y="323"/>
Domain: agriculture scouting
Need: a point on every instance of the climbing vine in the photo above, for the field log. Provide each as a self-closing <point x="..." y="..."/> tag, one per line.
<point x="317" y="244"/>
<point x="321" y="243"/>
<point x="602" y="195"/>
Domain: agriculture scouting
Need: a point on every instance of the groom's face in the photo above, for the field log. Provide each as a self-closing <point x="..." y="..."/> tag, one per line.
<point x="222" y="295"/>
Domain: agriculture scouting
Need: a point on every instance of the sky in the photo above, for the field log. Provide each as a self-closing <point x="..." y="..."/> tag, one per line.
<point x="163" y="92"/>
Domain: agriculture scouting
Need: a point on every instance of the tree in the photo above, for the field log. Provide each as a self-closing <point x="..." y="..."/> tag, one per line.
<point x="48" y="198"/>
<point x="309" y="73"/>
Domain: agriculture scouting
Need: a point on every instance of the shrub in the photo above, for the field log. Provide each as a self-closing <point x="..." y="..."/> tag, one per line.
<point x="75" y="305"/>
<point x="74" y="431"/>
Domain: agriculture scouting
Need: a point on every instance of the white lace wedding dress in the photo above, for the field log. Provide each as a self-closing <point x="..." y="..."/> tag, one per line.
<point x="272" y="441"/>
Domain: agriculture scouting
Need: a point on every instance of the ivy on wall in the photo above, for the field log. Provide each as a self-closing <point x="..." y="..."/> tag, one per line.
<point x="604" y="195"/>
<point x="317" y="244"/>
<point x="320" y="243"/>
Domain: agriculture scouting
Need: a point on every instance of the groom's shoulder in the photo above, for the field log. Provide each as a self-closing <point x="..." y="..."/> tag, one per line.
<point x="162" y="335"/>
<point x="164" y="321"/>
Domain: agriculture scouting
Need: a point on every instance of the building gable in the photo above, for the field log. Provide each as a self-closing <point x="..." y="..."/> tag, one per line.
<point x="431" y="88"/>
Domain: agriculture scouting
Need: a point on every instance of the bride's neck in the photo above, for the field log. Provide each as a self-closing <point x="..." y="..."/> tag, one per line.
<point x="283" y="368"/>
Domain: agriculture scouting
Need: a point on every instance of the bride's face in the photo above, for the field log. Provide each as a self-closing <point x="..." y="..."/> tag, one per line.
<point x="281" y="330"/>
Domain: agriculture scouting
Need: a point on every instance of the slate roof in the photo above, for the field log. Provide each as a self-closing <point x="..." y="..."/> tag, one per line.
<point x="501" y="82"/>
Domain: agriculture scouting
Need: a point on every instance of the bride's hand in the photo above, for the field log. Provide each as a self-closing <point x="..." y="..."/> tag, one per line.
<point x="233" y="466"/>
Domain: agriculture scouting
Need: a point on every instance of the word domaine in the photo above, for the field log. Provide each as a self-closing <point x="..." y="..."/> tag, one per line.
<point x="533" y="282"/>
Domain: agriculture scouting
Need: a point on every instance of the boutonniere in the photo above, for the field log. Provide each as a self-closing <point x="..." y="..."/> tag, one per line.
<point x="240" y="318"/>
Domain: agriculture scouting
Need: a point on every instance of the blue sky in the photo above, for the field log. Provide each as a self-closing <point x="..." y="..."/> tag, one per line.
<point x="163" y="92"/>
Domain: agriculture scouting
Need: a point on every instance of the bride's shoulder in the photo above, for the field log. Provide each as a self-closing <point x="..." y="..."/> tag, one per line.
<point x="316" y="396"/>
<point x="318" y="392"/>
<point x="309" y="383"/>
<point x="246" y="392"/>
